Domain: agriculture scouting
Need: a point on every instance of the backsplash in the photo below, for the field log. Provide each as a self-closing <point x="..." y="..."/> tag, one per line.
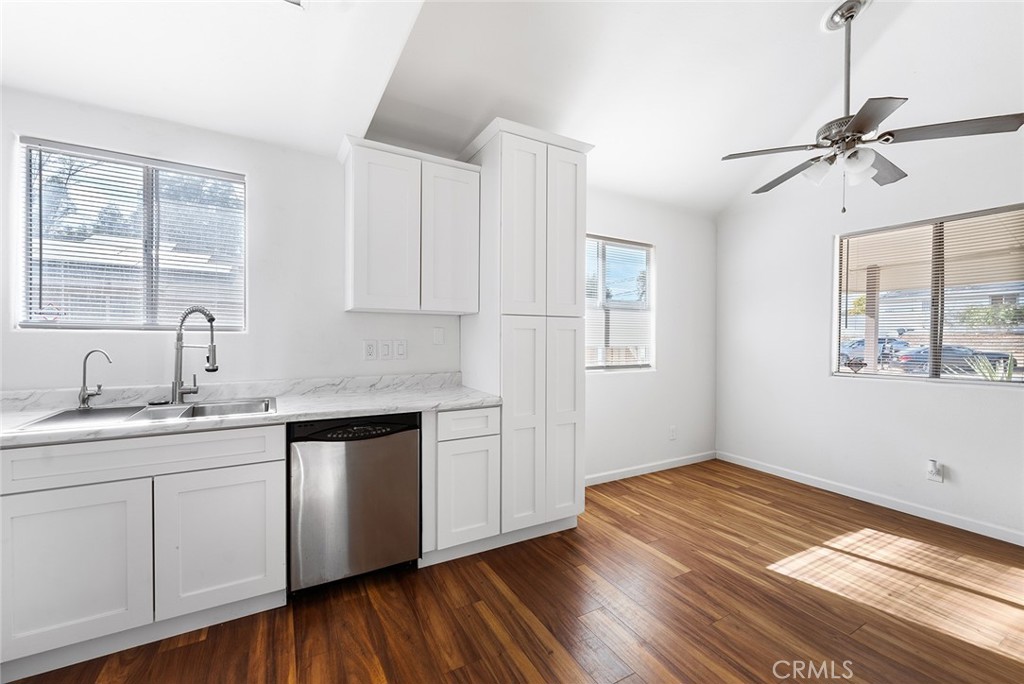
<point x="53" y="399"/>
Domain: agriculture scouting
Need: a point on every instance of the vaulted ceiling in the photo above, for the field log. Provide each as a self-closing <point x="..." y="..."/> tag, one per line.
<point x="662" y="89"/>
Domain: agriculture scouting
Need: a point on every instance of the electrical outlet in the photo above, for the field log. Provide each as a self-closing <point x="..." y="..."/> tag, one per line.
<point x="369" y="350"/>
<point x="672" y="433"/>
<point x="400" y="350"/>
<point x="438" y="335"/>
<point x="935" y="471"/>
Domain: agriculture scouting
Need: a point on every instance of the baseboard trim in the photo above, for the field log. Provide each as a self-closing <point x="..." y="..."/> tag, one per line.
<point x="154" y="631"/>
<point x="633" y="471"/>
<point x="481" y="545"/>
<point x="962" y="522"/>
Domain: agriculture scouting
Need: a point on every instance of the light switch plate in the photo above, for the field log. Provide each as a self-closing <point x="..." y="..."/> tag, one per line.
<point x="400" y="350"/>
<point x="386" y="347"/>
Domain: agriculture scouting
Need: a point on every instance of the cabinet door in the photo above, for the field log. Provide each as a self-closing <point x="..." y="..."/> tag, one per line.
<point x="219" y="536"/>
<point x="566" y="206"/>
<point x="523" y="465"/>
<point x="565" y="417"/>
<point x="450" y="234"/>
<point x="468" y="490"/>
<point x="523" y="225"/>
<point x="382" y="231"/>
<point x="77" y="564"/>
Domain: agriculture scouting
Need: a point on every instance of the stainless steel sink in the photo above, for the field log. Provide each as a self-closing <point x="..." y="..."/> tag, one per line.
<point x="83" y="418"/>
<point x="233" y="407"/>
<point x="161" y="412"/>
<point x="114" y="415"/>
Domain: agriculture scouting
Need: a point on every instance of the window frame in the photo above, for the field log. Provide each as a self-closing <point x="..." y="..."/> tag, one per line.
<point x="936" y="287"/>
<point x="150" y="167"/>
<point x="624" y="306"/>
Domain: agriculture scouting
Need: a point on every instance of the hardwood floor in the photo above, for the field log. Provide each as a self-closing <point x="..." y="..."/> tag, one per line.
<point x="706" y="573"/>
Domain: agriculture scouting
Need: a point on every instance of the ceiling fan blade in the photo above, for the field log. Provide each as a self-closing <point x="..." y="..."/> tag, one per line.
<point x="772" y="150"/>
<point x="887" y="171"/>
<point x="1005" y="123"/>
<point x="795" y="171"/>
<point x="874" y="112"/>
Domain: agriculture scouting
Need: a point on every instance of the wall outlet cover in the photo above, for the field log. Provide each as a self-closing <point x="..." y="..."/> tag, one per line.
<point x="370" y="350"/>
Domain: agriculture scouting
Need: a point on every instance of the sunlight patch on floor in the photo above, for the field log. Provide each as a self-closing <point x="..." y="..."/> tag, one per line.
<point x="976" y="600"/>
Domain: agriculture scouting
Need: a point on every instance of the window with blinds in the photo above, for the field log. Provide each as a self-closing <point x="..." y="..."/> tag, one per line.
<point x="117" y="241"/>
<point x="619" y="312"/>
<point x="943" y="299"/>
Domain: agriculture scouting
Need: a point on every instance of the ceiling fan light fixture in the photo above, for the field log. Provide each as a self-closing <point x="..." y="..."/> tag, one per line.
<point x="816" y="173"/>
<point x="859" y="160"/>
<point x="860" y="177"/>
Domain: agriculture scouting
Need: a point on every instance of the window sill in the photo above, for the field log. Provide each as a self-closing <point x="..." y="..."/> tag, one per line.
<point x="946" y="382"/>
<point x="622" y="369"/>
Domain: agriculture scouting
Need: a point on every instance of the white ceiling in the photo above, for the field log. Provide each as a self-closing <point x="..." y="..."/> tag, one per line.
<point x="264" y="69"/>
<point x="663" y="89"/>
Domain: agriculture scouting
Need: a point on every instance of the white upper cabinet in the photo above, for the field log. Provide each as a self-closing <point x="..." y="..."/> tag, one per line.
<point x="412" y="231"/>
<point x="383" y="240"/>
<point x="566" y="231"/>
<point x="450" y="239"/>
<point x="523" y="225"/>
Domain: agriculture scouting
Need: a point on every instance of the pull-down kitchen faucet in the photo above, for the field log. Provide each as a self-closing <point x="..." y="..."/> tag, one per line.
<point x="178" y="387"/>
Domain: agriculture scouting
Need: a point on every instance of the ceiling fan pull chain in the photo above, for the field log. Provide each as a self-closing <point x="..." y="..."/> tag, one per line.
<point x="844" y="193"/>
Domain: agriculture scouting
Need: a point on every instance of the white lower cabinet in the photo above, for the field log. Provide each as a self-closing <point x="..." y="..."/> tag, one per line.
<point x="219" y="536"/>
<point x="468" y="490"/>
<point x="468" y="501"/>
<point x="185" y="523"/>
<point x="542" y="375"/>
<point x="523" y="416"/>
<point x="77" y="564"/>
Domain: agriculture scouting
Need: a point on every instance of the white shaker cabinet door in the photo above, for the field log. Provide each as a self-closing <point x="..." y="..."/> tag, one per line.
<point x="219" y="536"/>
<point x="523" y="225"/>
<point x="382" y="231"/>
<point x="566" y="222"/>
<point x="468" y="490"/>
<point x="523" y="416"/>
<point x="566" y="390"/>
<point x="77" y="564"/>
<point x="450" y="235"/>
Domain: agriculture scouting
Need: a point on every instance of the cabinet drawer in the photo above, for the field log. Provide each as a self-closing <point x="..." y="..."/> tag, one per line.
<point x="66" y="465"/>
<point x="468" y="423"/>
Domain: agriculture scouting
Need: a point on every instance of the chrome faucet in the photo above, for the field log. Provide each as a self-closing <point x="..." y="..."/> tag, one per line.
<point x="85" y="394"/>
<point x="178" y="387"/>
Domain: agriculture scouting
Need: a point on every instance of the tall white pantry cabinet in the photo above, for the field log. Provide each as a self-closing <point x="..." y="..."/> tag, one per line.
<point x="526" y="342"/>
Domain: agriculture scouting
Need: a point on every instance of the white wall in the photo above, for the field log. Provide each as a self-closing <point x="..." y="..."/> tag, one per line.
<point x="629" y="412"/>
<point x="780" y="409"/>
<point x="296" y="323"/>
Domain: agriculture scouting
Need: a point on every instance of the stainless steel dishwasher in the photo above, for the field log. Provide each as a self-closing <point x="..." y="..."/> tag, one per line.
<point x="355" y="496"/>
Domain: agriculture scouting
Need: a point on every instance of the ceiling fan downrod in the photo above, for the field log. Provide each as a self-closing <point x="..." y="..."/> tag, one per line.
<point x="842" y="18"/>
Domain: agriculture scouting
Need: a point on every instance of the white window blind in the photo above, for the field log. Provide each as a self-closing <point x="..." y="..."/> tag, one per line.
<point x="938" y="299"/>
<point x="619" y="312"/>
<point x="117" y="241"/>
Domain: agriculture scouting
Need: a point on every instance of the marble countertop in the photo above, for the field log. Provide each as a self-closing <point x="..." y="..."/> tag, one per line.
<point x="307" y="400"/>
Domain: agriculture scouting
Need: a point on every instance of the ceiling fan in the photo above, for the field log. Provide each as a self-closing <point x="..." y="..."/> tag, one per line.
<point x="845" y="139"/>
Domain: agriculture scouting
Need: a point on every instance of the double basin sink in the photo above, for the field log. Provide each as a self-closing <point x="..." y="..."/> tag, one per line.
<point x="125" y="415"/>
